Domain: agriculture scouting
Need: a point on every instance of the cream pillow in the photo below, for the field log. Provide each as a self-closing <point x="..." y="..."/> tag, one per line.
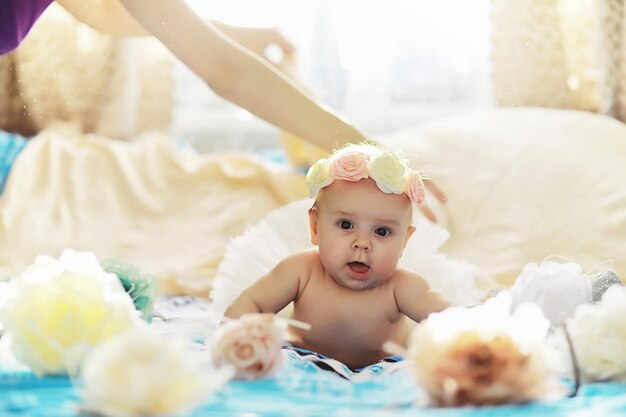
<point x="524" y="185"/>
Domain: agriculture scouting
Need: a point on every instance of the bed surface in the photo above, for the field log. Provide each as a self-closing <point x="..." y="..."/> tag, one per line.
<point x="292" y="390"/>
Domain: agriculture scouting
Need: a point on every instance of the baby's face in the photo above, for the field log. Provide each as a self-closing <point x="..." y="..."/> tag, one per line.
<point x="361" y="232"/>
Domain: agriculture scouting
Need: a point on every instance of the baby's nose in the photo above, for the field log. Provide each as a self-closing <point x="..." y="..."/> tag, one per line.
<point x="361" y="242"/>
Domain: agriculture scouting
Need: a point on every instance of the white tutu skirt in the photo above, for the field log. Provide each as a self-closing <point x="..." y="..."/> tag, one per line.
<point x="286" y="231"/>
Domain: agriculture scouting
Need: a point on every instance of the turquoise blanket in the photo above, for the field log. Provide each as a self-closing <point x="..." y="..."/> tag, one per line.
<point x="10" y="146"/>
<point x="296" y="391"/>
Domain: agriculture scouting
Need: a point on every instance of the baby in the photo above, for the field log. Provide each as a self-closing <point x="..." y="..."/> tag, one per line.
<point x="350" y="289"/>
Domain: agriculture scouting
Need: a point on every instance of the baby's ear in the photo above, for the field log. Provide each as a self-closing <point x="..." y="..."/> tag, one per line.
<point x="409" y="233"/>
<point x="313" y="225"/>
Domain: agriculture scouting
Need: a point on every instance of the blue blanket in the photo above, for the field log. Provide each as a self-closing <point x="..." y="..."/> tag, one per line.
<point x="296" y="391"/>
<point x="10" y="146"/>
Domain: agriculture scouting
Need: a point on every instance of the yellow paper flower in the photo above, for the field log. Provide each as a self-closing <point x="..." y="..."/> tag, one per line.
<point x="598" y="334"/>
<point x="483" y="355"/>
<point x="56" y="310"/>
<point x="318" y="177"/>
<point x="141" y="373"/>
<point x="389" y="172"/>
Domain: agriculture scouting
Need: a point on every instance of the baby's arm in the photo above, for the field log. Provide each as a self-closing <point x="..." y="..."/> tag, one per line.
<point x="272" y="292"/>
<point x="415" y="298"/>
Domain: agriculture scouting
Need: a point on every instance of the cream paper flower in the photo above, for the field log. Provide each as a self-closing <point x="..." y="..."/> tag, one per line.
<point x="318" y="177"/>
<point x="56" y="310"/>
<point x="141" y="373"/>
<point x="483" y="355"/>
<point x="389" y="172"/>
<point x="252" y="344"/>
<point x="598" y="333"/>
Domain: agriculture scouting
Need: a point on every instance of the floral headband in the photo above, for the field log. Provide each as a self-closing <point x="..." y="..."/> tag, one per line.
<point x="355" y="162"/>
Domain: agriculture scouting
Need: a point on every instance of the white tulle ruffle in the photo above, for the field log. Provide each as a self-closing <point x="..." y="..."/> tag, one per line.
<point x="286" y="231"/>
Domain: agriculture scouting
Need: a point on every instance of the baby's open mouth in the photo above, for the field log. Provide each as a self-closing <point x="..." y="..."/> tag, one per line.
<point x="359" y="267"/>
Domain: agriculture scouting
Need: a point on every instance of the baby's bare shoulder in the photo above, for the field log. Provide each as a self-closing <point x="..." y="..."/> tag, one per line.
<point x="301" y="265"/>
<point x="407" y="277"/>
<point x="304" y="256"/>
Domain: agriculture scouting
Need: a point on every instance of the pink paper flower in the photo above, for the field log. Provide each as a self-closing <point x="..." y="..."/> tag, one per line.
<point x="349" y="166"/>
<point x="415" y="189"/>
<point x="251" y="344"/>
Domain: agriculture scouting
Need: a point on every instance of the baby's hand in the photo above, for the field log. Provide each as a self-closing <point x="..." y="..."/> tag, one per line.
<point x="251" y="344"/>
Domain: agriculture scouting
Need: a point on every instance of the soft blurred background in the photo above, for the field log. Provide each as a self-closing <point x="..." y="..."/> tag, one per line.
<point x="384" y="65"/>
<point x="513" y="107"/>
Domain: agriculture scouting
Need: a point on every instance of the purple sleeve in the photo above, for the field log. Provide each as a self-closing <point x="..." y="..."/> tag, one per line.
<point x="16" y="19"/>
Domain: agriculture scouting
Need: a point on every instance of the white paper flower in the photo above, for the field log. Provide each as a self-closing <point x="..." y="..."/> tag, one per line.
<point x="598" y="335"/>
<point x="556" y="288"/>
<point x="318" y="177"/>
<point x="482" y="355"/>
<point x="389" y="172"/>
<point x="252" y="344"/>
<point x="141" y="373"/>
<point x="56" y="310"/>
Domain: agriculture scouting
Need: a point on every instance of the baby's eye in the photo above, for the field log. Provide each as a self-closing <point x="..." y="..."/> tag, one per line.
<point x="345" y="224"/>
<point x="382" y="231"/>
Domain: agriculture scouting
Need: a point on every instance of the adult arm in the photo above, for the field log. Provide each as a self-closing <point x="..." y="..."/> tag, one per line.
<point x="237" y="75"/>
<point x="107" y="16"/>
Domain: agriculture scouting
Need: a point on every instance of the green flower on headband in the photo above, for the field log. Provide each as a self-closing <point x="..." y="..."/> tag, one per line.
<point x="142" y="289"/>
<point x="389" y="173"/>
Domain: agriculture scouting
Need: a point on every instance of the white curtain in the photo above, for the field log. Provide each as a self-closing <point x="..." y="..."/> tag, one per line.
<point x="382" y="64"/>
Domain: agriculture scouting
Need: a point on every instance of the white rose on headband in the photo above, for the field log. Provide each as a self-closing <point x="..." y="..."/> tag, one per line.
<point x="349" y="166"/>
<point x="389" y="172"/>
<point x="415" y="188"/>
<point x="252" y="344"/>
<point x="318" y="177"/>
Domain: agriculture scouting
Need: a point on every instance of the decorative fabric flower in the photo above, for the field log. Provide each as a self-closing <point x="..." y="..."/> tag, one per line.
<point x="415" y="189"/>
<point x="318" y="177"/>
<point x="556" y="288"/>
<point x="598" y="333"/>
<point x="482" y="355"/>
<point x="349" y="166"/>
<point x="388" y="172"/>
<point x="141" y="373"/>
<point x="356" y="162"/>
<point x="252" y="344"/>
<point x="56" y="310"/>
<point x="142" y="289"/>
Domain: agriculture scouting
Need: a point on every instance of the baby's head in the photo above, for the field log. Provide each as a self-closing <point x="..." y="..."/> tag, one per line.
<point x="362" y="215"/>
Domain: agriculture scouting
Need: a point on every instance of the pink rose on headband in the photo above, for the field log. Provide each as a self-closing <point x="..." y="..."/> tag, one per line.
<point x="252" y="344"/>
<point x="349" y="166"/>
<point x="415" y="189"/>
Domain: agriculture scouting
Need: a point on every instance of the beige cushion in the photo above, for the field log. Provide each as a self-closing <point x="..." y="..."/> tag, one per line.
<point x="525" y="184"/>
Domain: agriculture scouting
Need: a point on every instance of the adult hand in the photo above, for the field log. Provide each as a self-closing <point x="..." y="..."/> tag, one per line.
<point x="437" y="193"/>
<point x="258" y="40"/>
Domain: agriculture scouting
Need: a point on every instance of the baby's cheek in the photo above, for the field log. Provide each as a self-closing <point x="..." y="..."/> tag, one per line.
<point x="387" y="263"/>
<point x="331" y="255"/>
